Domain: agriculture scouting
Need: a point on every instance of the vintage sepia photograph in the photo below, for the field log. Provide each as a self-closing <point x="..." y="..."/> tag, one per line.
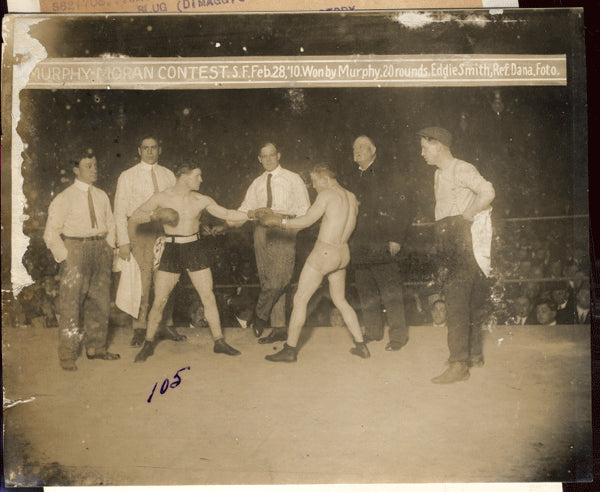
<point x="296" y="248"/>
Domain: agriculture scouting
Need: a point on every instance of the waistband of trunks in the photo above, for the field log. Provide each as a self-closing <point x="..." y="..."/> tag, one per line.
<point x="89" y="238"/>
<point x="169" y="238"/>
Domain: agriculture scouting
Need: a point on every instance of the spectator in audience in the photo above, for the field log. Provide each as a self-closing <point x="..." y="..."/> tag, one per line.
<point x="562" y="296"/>
<point x="545" y="312"/>
<point x="438" y="313"/>
<point x="582" y="305"/>
<point x="522" y="314"/>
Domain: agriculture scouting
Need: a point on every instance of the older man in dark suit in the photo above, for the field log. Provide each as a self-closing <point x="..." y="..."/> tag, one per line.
<point x="382" y="224"/>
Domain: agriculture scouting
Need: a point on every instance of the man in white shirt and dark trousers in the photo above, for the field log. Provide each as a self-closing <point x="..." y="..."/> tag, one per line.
<point x="284" y="192"/>
<point x="461" y="194"/>
<point x="134" y="187"/>
<point x="80" y="233"/>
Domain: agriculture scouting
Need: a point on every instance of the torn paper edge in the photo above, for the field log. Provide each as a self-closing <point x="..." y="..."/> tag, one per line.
<point x="29" y="52"/>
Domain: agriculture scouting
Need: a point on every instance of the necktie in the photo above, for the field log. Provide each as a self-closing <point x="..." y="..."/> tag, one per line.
<point x="582" y="317"/>
<point x="269" y="191"/>
<point x="91" y="207"/>
<point x="154" y="181"/>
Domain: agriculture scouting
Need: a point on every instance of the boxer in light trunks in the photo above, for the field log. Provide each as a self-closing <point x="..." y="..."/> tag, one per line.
<point x="178" y="209"/>
<point x="338" y="207"/>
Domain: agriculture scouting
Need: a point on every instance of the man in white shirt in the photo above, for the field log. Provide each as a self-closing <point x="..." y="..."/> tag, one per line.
<point x="284" y="192"/>
<point x="461" y="193"/>
<point x="80" y="233"/>
<point x="134" y="187"/>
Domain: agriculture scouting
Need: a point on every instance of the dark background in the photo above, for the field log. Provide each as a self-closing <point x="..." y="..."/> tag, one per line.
<point x="183" y="139"/>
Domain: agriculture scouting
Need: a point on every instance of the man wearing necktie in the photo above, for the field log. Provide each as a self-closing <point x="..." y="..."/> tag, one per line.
<point x="134" y="187"/>
<point x="80" y="233"/>
<point x="284" y="192"/>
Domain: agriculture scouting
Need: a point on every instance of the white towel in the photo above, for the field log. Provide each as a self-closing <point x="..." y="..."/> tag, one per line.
<point x="481" y="233"/>
<point x="129" y="292"/>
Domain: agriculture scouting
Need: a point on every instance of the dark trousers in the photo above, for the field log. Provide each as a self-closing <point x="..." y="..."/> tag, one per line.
<point x="466" y="289"/>
<point x="275" y="252"/>
<point x="84" y="297"/>
<point x="377" y="285"/>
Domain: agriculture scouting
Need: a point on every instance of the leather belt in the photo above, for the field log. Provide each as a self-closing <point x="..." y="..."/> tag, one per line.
<point x="89" y="238"/>
<point x="182" y="239"/>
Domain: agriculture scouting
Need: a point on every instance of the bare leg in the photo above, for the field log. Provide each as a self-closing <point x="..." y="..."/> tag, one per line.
<point x="309" y="282"/>
<point x="337" y="289"/>
<point x="164" y="283"/>
<point x="203" y="283"/>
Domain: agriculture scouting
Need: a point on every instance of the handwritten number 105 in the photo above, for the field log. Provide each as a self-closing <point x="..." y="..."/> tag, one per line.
<point x="165" y="384"/>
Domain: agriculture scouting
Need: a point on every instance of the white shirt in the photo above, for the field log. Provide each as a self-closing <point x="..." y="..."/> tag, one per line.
<point x="581" y="314"/>
<point x="134" y="188"/>
<point x="69" y="215"/>
<point x="456" y="187"/>
<point x="290" y="196"/>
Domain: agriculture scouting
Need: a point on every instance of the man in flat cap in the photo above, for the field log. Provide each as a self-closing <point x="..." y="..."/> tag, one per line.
<point x="463" y="235"/>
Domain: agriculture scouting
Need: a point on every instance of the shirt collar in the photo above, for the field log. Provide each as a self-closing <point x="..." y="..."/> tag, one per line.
<point x="81" y="185"/>
<point x="368" y="168"/>
<point x="147" y="166"/>
<point x="275" y="171"/>
<point x="581" y="311"/>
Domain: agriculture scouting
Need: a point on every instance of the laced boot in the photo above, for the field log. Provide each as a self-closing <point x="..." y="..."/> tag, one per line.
<point x="361" y="350"/>
<point x="286" y="354"/>
<point x="147" y="351"/>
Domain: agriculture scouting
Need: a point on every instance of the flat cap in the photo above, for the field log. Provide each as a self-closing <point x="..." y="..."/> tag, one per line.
<point x="437" y="133"/>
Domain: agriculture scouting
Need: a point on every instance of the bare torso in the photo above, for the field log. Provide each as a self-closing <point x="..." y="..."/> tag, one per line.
<point x="189" y="206"/>
<point x="339" y="219"/>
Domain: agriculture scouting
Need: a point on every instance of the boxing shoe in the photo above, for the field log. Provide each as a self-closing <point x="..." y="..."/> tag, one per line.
<point x="169" y="333"/>
<point x="361" y="350"/>
<point x="286" y="354"/>
<point x="139" y="335"/>
<point x="102" y="355"/>
<point x="276" y="335"/>
<point x="147" y="351"/>
<point x="457" y="371"/>
<point x="222" y="347"/>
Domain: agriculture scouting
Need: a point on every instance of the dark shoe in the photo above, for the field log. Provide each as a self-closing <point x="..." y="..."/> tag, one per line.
<point x="222" y="347"/>
<point x="393" y="346"/>
<point x="258" y="325"/>
<point x="147" y="351"/>
<point x="457" y="371"/>
<point x="476" y="361"/>
<point x="361" y="350"/>
<point x="169" y="333"/>
<point x="276" y="335"/>
<point x="103" y="356"/>
<point x="68" y="365"/>
<point x="139" y="335"/>
<point x="286" y="354"/>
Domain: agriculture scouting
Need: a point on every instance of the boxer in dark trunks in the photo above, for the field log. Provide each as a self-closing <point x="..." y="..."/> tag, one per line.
<point x="330" y="256"/>
<point x="178" y="209"/>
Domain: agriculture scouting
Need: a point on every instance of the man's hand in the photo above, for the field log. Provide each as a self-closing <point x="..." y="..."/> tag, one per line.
<point x="394" y="248"/>
<point x="255" y="214"/>
<point x="166" y="216"/>
<point x="125" y="251"/>
<point x="268" y="218"/>
<point x="467" y="215"/>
